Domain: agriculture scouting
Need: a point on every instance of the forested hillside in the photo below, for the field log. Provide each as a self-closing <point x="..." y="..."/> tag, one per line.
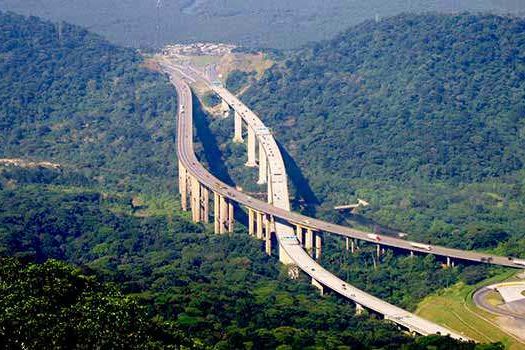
<point x="422" y="116"/>
<point x="70" y="97"/>
<point x="93" y="188"/>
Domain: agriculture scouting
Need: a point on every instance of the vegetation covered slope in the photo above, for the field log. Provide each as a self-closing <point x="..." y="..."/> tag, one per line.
<point x="70" y="97"/>
<point x="423" y="116"/>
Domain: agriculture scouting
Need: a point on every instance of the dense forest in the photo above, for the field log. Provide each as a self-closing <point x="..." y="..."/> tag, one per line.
<point x="95" y="252"/>
<point x="421" y="115"/>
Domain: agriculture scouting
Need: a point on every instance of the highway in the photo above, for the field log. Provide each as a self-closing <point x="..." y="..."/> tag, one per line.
<point x="285" y="234"/>
<point x="280" y="207"/>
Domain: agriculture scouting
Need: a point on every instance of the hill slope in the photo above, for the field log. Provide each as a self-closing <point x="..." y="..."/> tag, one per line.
<point x="70" y="97"/>
<point x="424" y="116"/>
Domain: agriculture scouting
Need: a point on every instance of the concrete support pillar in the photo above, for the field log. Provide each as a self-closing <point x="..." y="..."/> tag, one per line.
<point x="299" y="233"/>
<point x="225" y="108"/>
<point x="251" y="222"/>
<point x="260" y="226"/>
<point x="318" y="245"/>
<point x="195" y="200"/>
<point x="318" y="286"/>
<point x="251" y="147"/>
<point x="268" y="238"/>
<point x="216" y="213"/>
<point x="411" y="253"/>
<point x="450" y="262"/>
<point x="350" y="245"/>
<point x="238" y="128"/>
<point x="263" y="166"/>
<point x="183" y="187"/>
<point x="270" y="189"/>
<point x="223" y="215"/>
<point x="359" y="309"/>
<point x="378" y="250"/>
<point x="205" y="213"/>
<point x="230" y="217"/>
<point x="309" y="241"/>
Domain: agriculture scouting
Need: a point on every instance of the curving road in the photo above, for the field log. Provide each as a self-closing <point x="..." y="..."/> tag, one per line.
<point x="279" y="209"/>
<point x="288" y="242"/>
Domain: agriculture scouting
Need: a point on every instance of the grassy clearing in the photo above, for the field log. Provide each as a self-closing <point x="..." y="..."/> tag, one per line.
<point x="454" y="309"/>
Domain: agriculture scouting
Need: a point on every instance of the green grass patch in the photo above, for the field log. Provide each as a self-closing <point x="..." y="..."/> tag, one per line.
<point x="453" y="308"/>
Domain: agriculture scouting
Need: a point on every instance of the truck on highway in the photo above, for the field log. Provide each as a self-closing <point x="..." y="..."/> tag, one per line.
<point x="374" y="237"/>
<point x="421" y="246"/>
<point x="519" y="262"/>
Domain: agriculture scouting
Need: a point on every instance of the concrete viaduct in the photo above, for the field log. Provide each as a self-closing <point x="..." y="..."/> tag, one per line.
<point x="299" y="237"/>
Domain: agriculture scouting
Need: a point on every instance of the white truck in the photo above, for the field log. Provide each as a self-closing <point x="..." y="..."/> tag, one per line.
<point x="421" y="246"/>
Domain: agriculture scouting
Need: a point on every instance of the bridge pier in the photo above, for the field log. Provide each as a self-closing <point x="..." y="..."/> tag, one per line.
<point x="263" y="166"/>
<point x="269" y="189"/>
<point x="450" y="262"/>
<point x="269" y="228"/>
<point x="259" y="225"/>
<point x="183" y="186"/>
<point x="318" y="245"/>
<point x="378" y="250"/>
<point x="318" y="285"/>
<point x="359" y="309"/>
<point x="225" y="108"/>
<point x="251" y="222"/>
<point x="299" y="234"/>
<point x="195" y="200"/>
<point x="251" y="148"/>
<point x="309" y="241"/>
<point x="205" y="202"/>
<point x="216" y="213"/>
<point x="230" y="216"/>
<point x="238" y="128"/>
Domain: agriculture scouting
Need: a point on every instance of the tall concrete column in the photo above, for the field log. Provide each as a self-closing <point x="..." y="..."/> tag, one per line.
<point x="251" y="222"/>
<point x="183" y="187"/>
<point x="230" y="217"/>
<point x="318" y="244"/>
<point x="223" y="215"/>
<point x="251" y="147"/>
<point x="270" y="188"/>
<point x="238" y="128"/>
<point x="263" y="166"/>
<point x="259" y="225"/>
<point x="350" y="244"/>
<point x="299" y="232"/>
<point x="195" y="200"/>
<point x="309" y="241"/>
<point x="359" y="309"/>
<point x="205" y="214"/>
<point x="378" y="250"/>
<point x="268" y="245"/>
<point x="216" y="213"/>
<point x="225" y="108"/>
<point x="318" y="286"/>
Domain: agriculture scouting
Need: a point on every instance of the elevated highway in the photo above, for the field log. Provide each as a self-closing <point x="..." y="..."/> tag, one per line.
<point x="279" y="206"/>
<point x="271" y="218"/>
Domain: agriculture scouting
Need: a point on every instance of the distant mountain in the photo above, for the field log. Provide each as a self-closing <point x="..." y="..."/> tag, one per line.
<point x="262" y="23"/>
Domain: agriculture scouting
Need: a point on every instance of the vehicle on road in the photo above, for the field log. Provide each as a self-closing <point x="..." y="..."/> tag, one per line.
<point x="421" y="246"/>
<point x="374" y="237"/>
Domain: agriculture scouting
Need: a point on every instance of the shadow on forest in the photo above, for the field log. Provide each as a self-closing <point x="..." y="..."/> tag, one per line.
<point x="305" y="196"/>
<point x="212" y="153"/>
